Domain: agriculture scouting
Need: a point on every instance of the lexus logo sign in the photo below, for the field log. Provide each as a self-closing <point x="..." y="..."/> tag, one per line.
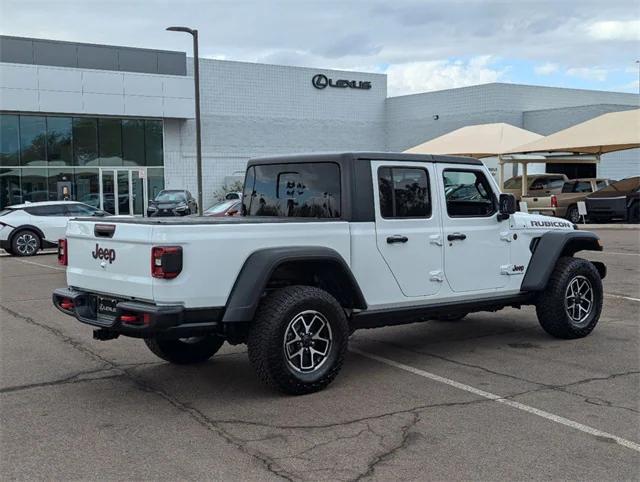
<point x="321" y="81"/>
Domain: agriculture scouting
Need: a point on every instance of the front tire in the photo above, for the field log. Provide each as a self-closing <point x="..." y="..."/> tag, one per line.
<point x="25" y="243"/>
<point x="633" y="216"/>
<point x="298" y="341"/>
<point x="185" y="351"/>
<point x="571" y="304"/>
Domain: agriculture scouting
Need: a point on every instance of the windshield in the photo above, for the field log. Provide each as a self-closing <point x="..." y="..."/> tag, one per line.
<point x="622" y="187"/>
<point x="513" y="183"/>
<point x="220" y="207"/>
<point x="170" y="196"/>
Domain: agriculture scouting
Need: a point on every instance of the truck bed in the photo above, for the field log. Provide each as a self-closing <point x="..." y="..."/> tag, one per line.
<point x="214" y="251"/>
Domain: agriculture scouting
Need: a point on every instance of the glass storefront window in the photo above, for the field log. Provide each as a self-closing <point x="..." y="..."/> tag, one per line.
<point x="85" y="141"/>
<point x="33" y="138"/>
<point x="34" y="185"/>
<point x="133" y="142"/>
<point x="110" y="137"/>
<point x="9" y="140"/>
<point x="87" y="188"/>
<point x="61" y="185"/>
<point x="153" y="142"/>
<point x="155" y="182"/>
<point x="10" y="192"/>
<point x="55" y="157"/>
<point x="59" y="150"/>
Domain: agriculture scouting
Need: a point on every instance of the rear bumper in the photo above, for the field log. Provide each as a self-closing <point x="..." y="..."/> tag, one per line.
<point x="152" y="320"/>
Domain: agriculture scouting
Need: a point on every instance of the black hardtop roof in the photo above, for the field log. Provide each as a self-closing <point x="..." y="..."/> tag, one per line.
<point x="341" y="157"/>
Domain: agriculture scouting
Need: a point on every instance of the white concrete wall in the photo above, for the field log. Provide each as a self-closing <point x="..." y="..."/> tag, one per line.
<point x="253" y="110"/>
<point x="37" y="88"/>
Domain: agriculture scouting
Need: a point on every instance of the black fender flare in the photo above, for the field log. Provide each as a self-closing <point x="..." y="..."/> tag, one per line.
<point x="551" y="246"/>
<point x="30" y="227"/>
<point x="261" y="264"/>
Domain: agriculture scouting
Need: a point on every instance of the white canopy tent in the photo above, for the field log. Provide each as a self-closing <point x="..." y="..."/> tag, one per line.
<point x="483" y="140"/>
<point x="610" y="132"/>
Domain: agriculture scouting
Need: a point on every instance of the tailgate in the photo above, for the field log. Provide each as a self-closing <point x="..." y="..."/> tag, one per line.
<point x="537" y="202"/>
<point x="110" y="258"/>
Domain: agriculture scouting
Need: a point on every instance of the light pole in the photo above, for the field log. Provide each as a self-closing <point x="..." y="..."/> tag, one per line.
<point x="196" y="79"/>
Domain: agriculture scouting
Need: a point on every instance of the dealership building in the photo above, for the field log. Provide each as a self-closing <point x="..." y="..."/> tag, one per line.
<point x="111" y="126"/>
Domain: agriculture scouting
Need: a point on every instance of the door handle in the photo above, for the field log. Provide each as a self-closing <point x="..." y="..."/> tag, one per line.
<point x="457" y="236"/>
<point x="397" y="239"/>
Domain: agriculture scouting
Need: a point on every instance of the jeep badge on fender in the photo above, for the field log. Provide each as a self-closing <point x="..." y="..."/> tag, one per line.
<point x="104" y="253"/>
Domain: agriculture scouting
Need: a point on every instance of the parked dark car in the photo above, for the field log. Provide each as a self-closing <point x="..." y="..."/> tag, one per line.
<point x="225" y="208"/>
<point x="172" y="202"/>
<point x="619" y="200"/>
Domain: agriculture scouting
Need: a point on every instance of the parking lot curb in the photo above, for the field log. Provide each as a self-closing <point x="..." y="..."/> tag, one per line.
<point x="609" y="226"/>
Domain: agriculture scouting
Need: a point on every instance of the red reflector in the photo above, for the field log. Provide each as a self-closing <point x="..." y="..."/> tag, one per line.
<point x="128" y="318"/>
<point x="66" y="304"/>
<point x="63" y="258"/>
<point x="166" y="261"/>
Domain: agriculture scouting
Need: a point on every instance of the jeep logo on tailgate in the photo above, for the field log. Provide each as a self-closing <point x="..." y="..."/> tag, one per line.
<point x="103" y="253"/>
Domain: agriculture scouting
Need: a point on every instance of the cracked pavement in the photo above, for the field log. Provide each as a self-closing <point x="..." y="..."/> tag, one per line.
<point x="76" y="408"/>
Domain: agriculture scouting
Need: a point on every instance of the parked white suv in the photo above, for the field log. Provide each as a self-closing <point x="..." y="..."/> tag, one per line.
<point x="327" y="244"/>
<point x="27" y="228"/>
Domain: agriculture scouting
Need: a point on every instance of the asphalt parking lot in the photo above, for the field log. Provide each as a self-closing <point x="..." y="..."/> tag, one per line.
<point x="490" y="397"/>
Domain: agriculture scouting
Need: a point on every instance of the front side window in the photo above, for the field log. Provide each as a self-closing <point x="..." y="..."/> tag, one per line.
<point x="404" y="192"/>
<point x="468" y="194"/>
<point x="80" y="210"/>
<point x="305" y="190"/>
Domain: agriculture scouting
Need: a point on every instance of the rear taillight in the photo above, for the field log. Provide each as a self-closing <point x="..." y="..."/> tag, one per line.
<point x="554" y="202"/>
<point x="67" y="304"/>
<point x="63" y="257"/>
<point x="166" y="261"/>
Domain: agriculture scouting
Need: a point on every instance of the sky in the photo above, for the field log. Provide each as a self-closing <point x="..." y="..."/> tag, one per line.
<point x="421" y="45"/>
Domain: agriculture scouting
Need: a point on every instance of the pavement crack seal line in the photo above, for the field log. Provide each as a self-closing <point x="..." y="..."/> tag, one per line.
<point x="599" y="434"/>
<point x="75" y="378"/>
<point x="388" y="454"/>
<point x="192" y="412"/>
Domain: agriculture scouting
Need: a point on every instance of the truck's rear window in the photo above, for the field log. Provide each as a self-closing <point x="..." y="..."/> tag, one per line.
<point x="305" y="190"/>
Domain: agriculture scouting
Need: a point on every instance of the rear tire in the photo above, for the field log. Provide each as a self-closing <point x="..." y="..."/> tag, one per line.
<point x="25" y="243"/>
<point x="298" y="340"/>
<point x="573" y="215"/>
<point x="184" y="351"/>
<point x="571" y="304"/>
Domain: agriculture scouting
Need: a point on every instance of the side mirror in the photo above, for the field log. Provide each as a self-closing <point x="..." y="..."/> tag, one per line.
<point x="507" y="206"/>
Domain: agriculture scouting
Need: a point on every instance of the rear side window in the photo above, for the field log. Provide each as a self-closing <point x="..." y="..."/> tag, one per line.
<point x="51" y="210"/>
<point x="576" y="186"/>
<point x="304" y="190"/>
<point x="80" y="210"/>
<point x="468" y="193"/>
<point x="582" y="186"/>
<point x="404" y="192"/>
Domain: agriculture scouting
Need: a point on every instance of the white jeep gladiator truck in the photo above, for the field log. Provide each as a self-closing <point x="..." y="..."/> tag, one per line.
<point x="327" y="244"/>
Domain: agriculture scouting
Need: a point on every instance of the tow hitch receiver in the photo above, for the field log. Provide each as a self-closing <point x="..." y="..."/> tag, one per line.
<point x="105" y="335"/>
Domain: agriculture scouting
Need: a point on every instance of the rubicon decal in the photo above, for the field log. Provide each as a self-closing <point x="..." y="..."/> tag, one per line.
<point x="551" y="224"/>
<point x="321" y="81"/>
<point x="104" y="253"/>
